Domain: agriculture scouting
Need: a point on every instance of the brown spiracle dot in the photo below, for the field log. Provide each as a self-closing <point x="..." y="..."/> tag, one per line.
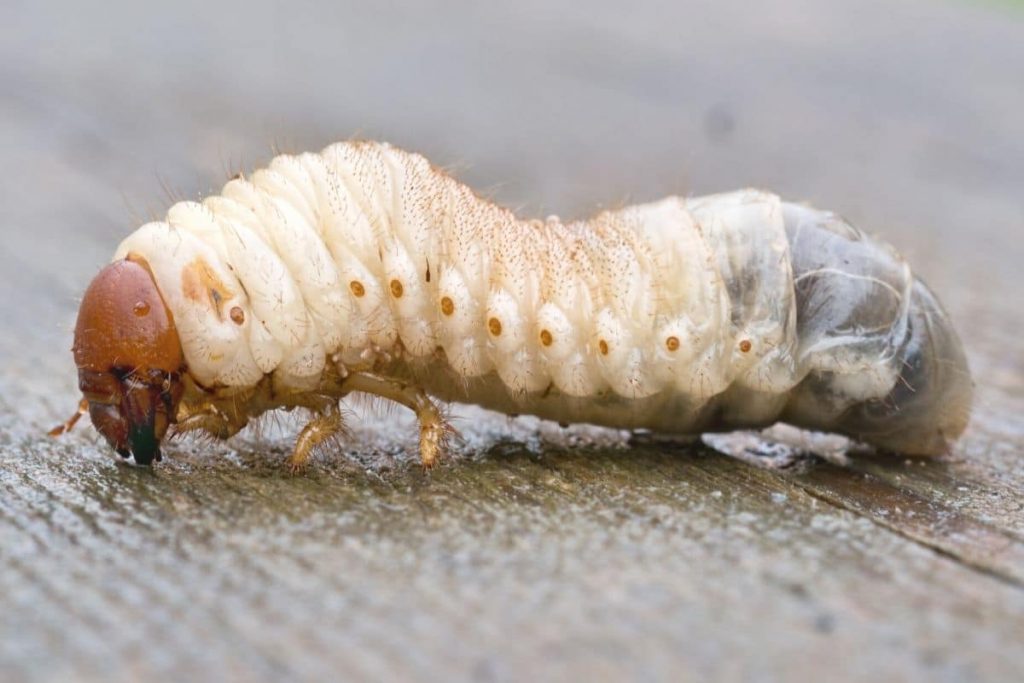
<point x="141" y="309"/>
<point x="237" y="315"/>
<point x="546" y="338"/>
<point x="396" y="289"/>
<point x="357" y="288"/>
<point x="447" y="305"/>
<point x="745" y="345"/>
<point x="672" y="343"/>
<point x="602" y="346"/>
<point x="494" y="325"/>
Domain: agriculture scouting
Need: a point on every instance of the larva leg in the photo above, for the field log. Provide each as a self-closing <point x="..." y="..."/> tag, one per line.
<point x="211" y="421"/>
<point x="83" y="408"/>
<point x="434" y="431"/>
<point x="321" y="428"/>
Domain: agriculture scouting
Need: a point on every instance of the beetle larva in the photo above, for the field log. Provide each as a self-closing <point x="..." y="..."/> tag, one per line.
<point x="365" y="269"/>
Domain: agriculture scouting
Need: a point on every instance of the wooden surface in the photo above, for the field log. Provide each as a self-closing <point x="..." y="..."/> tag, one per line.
<point x="535" y="552"/>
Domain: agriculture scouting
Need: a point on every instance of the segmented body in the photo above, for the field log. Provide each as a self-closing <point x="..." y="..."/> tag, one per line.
<point x="681" y="315"/>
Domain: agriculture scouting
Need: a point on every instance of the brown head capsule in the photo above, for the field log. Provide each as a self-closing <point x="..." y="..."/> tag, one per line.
<point x="129" y="359"/>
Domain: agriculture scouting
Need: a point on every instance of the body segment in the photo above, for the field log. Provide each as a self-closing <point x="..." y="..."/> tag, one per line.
<point x="682" y="315"/>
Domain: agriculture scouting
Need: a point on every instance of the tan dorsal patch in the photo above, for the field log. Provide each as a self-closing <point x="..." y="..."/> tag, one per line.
<point x="200" y="283"/>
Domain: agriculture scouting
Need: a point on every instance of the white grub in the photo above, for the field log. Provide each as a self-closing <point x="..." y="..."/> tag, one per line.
<point x="680" y="316"/>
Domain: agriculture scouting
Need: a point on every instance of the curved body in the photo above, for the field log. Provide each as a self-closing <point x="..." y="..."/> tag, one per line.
<point x="682" y="316"/>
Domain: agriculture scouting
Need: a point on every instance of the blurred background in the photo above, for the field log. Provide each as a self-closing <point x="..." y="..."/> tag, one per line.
<point x="561" y="554"/>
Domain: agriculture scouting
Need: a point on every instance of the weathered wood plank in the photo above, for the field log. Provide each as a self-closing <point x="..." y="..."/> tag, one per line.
<point x="538" y="553"/>
<point x="977" y="544"/>
<point x="898" y="495"/>
<point x="993" y="501"/>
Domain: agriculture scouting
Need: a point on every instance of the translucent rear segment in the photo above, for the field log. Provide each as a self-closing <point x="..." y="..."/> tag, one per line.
<point x="930" y="404"/>
<point x="883" y="362"/>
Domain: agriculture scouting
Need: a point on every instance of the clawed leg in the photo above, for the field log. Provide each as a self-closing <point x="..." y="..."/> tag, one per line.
<point x="323" y="427"/>
<point x="221" y="424"/>
<point x="434" y="431"/>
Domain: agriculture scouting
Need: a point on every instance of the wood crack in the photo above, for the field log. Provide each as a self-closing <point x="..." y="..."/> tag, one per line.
<point x="970" y="542"/>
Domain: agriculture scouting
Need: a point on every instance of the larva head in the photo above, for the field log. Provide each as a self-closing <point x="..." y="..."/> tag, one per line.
<point x="129" y="359"/>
